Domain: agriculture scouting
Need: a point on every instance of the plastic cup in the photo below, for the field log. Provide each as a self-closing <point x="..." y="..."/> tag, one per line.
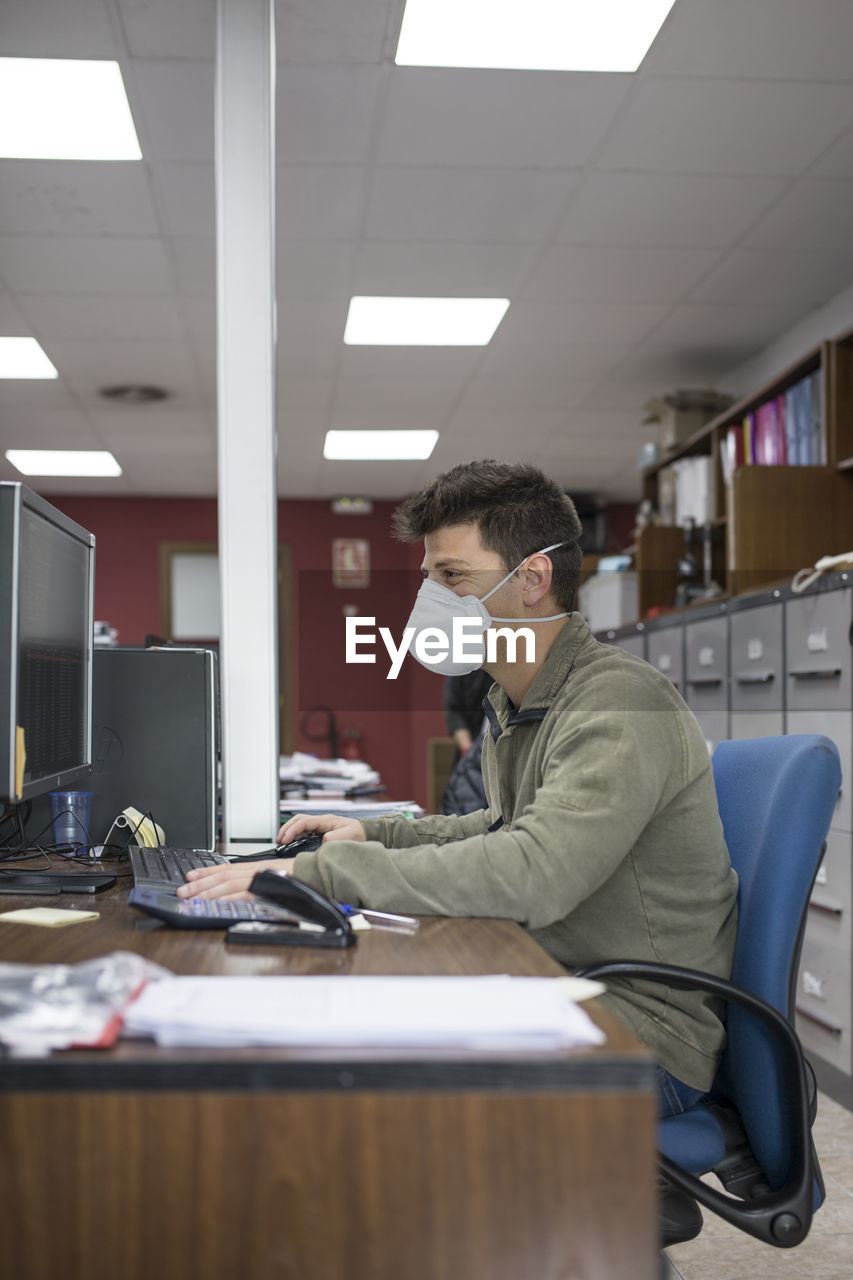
<point x="70" y="810"/>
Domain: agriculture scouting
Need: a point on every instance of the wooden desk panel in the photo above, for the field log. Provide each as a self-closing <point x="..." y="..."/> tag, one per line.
<point x="143" y="1164"/>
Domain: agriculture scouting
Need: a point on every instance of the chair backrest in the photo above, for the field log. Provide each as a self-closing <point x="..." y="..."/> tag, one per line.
<point x="776" y="798"/>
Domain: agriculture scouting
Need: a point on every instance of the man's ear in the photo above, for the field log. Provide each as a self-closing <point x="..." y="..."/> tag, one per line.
<point x="538" y="573"/>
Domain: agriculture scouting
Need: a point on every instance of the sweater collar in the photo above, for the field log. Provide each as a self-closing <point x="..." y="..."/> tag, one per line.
<point x="501" y="712"/>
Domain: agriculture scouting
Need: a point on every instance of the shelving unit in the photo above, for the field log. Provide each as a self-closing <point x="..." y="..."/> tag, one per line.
<point x="777" y="519"/>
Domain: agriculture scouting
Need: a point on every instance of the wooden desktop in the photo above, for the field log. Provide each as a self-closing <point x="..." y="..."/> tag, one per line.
<point x="138" y="1163"/>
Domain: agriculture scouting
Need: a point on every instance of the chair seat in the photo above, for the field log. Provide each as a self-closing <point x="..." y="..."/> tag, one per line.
<point x="692" y="1139"/>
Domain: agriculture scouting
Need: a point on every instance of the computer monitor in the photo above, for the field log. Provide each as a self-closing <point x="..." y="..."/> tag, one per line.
<point x="47" y="573"/>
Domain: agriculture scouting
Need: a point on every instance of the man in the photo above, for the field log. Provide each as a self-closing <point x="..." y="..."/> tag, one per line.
<point x="602" y="835"/>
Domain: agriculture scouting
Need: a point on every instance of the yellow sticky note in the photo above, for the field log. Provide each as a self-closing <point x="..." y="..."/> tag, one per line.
<point x="50" y="917"/>
<point x="20" y="759"/>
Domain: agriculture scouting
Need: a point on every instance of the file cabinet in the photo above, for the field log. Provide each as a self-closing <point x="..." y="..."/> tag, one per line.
<point x="665" y="649"/>
<point x="706" y="672"/>
<point x="757" y="684"/>
<point x="818" y="636"/>
<point x="759" y="665"/>
<point x="632" y="638"/>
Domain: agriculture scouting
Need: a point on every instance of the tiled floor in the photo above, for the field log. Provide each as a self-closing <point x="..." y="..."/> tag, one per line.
<point x="721" y="1253"/>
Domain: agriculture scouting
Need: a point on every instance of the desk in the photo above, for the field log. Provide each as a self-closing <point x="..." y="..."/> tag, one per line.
<point x="145" y="1164"/>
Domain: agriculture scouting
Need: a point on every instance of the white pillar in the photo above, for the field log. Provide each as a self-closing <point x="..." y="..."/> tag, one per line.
<point x="245" y="301"/>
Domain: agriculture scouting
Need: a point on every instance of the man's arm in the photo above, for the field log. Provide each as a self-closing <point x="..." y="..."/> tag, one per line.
<point x="603" y="783"/>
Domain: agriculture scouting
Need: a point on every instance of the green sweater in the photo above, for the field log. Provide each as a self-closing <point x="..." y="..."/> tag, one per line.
<point x="602" y="838"/>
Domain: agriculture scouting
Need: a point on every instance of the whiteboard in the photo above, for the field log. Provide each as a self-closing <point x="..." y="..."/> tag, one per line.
<point x="195" y="595"/>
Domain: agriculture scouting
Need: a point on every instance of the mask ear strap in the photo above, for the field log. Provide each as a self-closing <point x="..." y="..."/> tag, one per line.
<point x="553" y="547"/>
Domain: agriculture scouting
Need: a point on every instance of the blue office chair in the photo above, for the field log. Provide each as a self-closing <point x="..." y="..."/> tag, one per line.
<point x="776" y="798"/>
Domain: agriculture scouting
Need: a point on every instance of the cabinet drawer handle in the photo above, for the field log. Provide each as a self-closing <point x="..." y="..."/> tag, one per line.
<point x="825" y="908"/>
<point x="820" y="673"/>
<point x="704" y="679"/>
<point x="755" y="677"/>
<point x="831" y="1027"/>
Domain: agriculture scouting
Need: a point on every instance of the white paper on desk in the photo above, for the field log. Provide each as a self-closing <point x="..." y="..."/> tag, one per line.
<point x="350" y="808"/>
<point x="492" y="1012"/>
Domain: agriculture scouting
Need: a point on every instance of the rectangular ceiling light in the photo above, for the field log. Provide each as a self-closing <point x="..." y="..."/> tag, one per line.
<point x="423" y="322"/>
<point x="64" y="109"/>
<point x="63" y="462"/>
<point x="530" y="35"/>
<point x="24" y="358"/>
<point x="377" y="446"/>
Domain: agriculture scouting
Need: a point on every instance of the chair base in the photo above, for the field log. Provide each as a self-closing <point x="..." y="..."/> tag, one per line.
<point x="679" y="1215"/>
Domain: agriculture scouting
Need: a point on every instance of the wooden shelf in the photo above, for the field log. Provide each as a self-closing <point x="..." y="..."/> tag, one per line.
<point x="776" y="518"/>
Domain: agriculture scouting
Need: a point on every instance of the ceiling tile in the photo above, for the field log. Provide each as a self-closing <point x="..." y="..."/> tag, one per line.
<point x="13" y="323"/>
<point x="754" y="128"/>
<point x="663" y="367"/>
<point x="30" y="427"/>
<point x="173" y="104"/>
<point x="441" y="269"/>
<point x="821" y="205"/>
<point x="672" y="210"/>
<point x="314" y="269"/>
<point x="781" y="39"/>
<point x="74" y="197"/>
<point x="87" y="366"/>
<point x="481" y="423"/>
<point x="561" y="363"/>
<point x="324" y="115"/>
<point x="296" y="392"/>
<point x="591" y="273"/>
<point x="432" y="363"/>
<point x="741" y="326"/>
<point x="306" y="358"/>
<point x="77" y="264"/>
<point x="528" y="119"/>
<point x="795" y="283"/>
<point x="397" y="419"/>
<point x="151" y="422"/>
<point x="837" y="160"/>
<point x="457" y="204"/>
<point x="523" y="393"/>
<point x="195" y="265"/>
<point x="97" y="317"/>
<point x="162" y="28"/>
<point x="319" y="202"/>
<point x="578" y="322"/>
<point x="186" y="196"/>
<point x="45" y="29"/>
<point x="438" y="392"/>
<point x="21" y="395"/>
<point x="313" y="31"/>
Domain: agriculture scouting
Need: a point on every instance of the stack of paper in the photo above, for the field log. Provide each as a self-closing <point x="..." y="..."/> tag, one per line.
<point x="302" y="773"/>
<point x="353" y="808"/>
<point x="492" y="1013"/>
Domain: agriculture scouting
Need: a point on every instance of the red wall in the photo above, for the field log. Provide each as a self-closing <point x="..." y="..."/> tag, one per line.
<point x="394" y="719"/>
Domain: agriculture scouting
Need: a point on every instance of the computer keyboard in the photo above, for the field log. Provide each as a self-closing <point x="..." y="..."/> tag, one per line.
<point x="202" y="913"/>
<point x="166" y="867"/>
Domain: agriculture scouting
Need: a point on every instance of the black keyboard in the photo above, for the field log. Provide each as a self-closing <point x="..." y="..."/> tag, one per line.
<point x="204" y="913"/>
<point x="165" y="868"/>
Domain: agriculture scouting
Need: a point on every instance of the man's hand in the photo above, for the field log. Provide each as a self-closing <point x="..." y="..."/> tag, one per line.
<point x="231" y="883"/>
<point x="329" y="824"/>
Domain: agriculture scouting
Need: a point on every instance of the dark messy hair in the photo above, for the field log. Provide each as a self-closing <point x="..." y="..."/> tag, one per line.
<point x="517" y="511"/>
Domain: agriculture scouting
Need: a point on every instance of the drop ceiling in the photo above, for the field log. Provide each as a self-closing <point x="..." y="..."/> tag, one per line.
<point x="652" y="231"/>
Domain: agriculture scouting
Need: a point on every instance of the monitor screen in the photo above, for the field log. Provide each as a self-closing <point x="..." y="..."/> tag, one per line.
<point x="46" y="615"/>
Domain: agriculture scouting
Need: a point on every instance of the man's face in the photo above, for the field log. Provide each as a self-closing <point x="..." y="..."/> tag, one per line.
<point x="455" y="557"/>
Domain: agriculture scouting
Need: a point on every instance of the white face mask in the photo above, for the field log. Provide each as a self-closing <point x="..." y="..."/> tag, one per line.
<point x="435" y="608"/>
